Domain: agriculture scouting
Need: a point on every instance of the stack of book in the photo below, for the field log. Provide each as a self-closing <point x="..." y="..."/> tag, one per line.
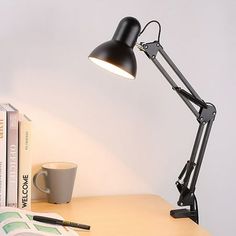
<point x="15" y="161"/>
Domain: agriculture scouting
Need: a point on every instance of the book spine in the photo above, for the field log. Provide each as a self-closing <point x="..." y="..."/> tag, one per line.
<point x="3" y="156"/>
<point x="24" y="191"/>
<point x="12" y="158"/>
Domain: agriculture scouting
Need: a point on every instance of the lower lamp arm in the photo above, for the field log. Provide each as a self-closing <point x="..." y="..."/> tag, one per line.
<point x="187" y="194"/>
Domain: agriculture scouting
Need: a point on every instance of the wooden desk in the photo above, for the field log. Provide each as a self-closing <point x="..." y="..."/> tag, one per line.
<point x="132" y="215"/>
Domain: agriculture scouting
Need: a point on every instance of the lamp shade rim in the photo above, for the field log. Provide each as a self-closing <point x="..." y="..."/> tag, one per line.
<point x="111" y="67"/>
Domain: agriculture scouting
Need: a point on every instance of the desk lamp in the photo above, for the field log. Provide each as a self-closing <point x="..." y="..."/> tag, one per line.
<point x="118" y="57"/>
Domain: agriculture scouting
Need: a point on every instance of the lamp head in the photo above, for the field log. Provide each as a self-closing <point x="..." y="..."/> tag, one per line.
<point x="117" y="54"/>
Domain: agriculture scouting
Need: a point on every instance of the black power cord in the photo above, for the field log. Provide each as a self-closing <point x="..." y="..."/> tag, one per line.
<point x="159" y="33"/>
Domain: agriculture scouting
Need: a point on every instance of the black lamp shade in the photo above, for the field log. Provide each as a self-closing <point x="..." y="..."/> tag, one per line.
<point x="117" y="54"/>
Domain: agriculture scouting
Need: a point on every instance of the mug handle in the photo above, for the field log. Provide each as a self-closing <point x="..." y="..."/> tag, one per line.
<point x="35" y="181"/>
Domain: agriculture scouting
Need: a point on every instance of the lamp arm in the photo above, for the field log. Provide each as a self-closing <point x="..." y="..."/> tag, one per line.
<point x="178" y="73"/>
<point x="205" y="117"/>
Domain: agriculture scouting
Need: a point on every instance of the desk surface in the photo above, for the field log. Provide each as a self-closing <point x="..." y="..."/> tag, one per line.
<point x="132" y="215"/>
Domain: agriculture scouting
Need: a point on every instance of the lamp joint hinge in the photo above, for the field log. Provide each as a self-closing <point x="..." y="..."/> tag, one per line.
<point x="186" y="197"/>
<point x="207" y="114"/>
<point x="150" y="49"/>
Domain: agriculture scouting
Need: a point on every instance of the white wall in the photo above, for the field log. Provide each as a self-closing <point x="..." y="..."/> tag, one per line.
<point x="126" y="136"/>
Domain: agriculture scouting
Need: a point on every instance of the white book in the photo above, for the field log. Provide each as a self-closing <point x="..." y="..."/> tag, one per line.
<point x="3" y="155"/>
<point x="12" y="155"/>
<point x="17" y="222"/>
<point x="24" y="189"/>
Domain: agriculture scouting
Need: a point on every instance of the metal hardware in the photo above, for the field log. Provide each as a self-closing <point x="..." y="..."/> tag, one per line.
<point x="205" y="116"/>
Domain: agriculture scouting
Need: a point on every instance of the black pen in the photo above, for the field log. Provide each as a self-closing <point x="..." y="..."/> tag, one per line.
<point x="60" y="222"/>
